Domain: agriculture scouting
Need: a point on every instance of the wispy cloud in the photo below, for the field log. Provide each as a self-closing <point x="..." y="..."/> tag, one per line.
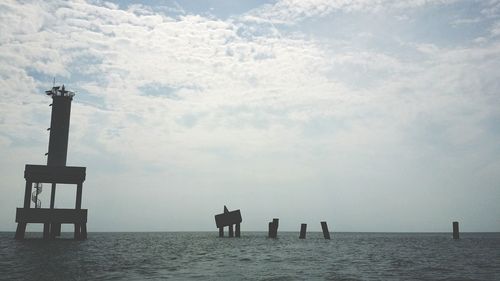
<point x="294" y="11"/>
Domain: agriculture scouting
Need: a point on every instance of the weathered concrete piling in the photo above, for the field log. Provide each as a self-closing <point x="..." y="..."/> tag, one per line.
<point x="456" y="233"/>
<point x="326" y="233"/>
<point x="228" y="219"/>
<point x="303" y="231"/>
<point x="273" y="228"/>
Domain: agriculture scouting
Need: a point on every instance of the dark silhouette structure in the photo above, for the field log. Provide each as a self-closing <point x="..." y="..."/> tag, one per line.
<point x="54" y="172"/>
<point x="326" y="233"/>
<point x="456" y="232"/>
<point x="273" y="228"/>
<point x="228" y="219"/>
<point x="303" y="228"/>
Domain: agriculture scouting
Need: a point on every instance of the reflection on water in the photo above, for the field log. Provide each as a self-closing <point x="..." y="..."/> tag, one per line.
<point x="203" y="256"/>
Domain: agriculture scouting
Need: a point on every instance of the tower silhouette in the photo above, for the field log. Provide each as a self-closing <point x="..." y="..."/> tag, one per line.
<point x="55" y="172"/>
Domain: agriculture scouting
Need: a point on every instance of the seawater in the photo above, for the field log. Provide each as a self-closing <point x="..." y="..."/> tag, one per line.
<point x="204" y="256"/>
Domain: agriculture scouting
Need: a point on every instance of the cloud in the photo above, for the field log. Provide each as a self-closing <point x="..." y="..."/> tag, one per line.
<point x="211" y="106"/>
<point x="294" y="11"/>
<point x="495" y="30"/>
<point x="213" y="68"/>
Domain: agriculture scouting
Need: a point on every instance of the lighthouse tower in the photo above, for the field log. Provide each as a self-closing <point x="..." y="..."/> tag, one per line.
<point x="55" y="172"/>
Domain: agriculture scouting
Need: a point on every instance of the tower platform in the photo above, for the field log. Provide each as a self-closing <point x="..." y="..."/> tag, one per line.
<point x="52" y="220"/>
<point x="46" y="215"/>
<point x="54" y="174"/>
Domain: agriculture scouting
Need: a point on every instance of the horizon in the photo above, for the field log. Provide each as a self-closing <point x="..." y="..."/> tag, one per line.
<point x="265" y="232"/>
<point x="375" y="117"/>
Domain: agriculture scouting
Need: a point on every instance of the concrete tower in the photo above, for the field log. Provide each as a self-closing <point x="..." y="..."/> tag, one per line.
<point x="54" y="172"/>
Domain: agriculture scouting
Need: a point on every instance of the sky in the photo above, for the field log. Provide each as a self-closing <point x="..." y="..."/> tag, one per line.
<point x="378" y="115"/>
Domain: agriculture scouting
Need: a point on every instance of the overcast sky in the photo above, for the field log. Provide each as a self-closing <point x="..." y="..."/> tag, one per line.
<point x="372" y="115"/>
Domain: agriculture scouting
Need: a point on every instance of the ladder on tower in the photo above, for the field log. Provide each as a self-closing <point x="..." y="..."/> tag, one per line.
<point x="34" y="195"/>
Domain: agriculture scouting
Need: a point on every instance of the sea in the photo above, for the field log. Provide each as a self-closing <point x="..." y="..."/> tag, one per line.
<point x="204" y="256"/>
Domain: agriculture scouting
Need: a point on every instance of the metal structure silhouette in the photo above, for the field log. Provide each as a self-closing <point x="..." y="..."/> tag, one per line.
<point x="55" y="172"/>
<point x="228" y="218"/>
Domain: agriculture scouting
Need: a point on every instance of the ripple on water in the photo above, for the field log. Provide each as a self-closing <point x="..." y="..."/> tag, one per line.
<point x="203" y="256"/>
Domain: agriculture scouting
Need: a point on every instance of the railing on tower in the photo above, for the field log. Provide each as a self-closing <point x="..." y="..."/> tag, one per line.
<point x="34" y="195"/>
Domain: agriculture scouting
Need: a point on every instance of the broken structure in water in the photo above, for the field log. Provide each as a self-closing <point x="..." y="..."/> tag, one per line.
<point x="228" y="219"/>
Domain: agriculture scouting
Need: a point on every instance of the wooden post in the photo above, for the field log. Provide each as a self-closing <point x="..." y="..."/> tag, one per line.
<point x="456" y="233"/>
<point x="221" y="231"/>
<point x="231" y="233"/>
<point x="237" y="230"/>
<point x="20" y="231"/>
<point x="303" y="231"/>
<point x="273" y="228"/>
<point x="326" y="234"/>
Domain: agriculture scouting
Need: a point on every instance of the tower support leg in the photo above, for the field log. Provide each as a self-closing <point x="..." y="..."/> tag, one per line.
<point x="221" y="231"/>
<point x="27" y="194"/>
<point x="84" y="231"/>
<point x="57" y="229"/>
<point x="231" y="234"/>
<point x="52" y="231"/>
<point x="237" y="230"/>
<point x="20" y="231"/>
<point x="46" y="231"/>
<point x="78" y="204"/>
<point x="53" y="196"/>
<point x="77" y="231"/>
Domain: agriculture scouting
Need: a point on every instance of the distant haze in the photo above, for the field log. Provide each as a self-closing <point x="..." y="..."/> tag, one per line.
<point x="370" y="115"/>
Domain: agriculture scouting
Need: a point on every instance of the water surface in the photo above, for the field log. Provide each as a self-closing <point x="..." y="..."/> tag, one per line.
<point x="204" y="256"/>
